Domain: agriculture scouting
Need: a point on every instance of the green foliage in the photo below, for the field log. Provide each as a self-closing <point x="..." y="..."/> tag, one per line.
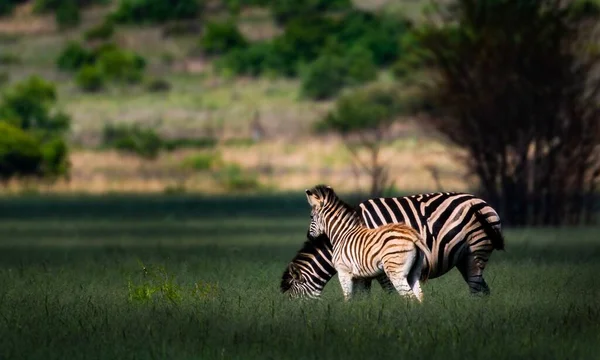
<point x="37" y="145"/>
<point x="67" y="14"/>
<point x="233" y="178"/>
<point x="145" y="143"/>
<point x="90" y="78"/>
<point x="73" y="57"/>
<point x="197" y="143"/>
<point x="28" y="105"/>
<point x="7" y="6"/>
<point x="121" y="65"/>
<point x="325" y="77"/>
<point x="155" y="11"/>
<point x="55" y="158"/>
<point x="103" y="31"/>
<point x="368" y="109"/>
<point x="333" y="70"/>
<point x="20" y="153"/>
<point x="221" y="37"/>
<point x="254" y="60"/>
<point x="157" y="286"/>
<point x="44" y="6"/>
<point x="105" y="62"/>
<point x="202" y="161"/>
<point x="287" y="10"/>
<point x="363" y="41"/>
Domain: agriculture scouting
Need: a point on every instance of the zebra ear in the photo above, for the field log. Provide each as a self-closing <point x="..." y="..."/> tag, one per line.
<point x="294" y="271"/>
<point x="312" y="201"/>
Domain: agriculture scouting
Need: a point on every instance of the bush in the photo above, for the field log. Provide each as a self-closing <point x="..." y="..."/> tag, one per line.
<point x="7" y="58"/>
<point x="67" y="14"/>
<point x="220" y="38"/>
<point x="103" y="31"/>
<point x="287" y="10"/>
<point x="254" y="60"/>
<point x="28" y="105"/>
<point x="360" y="66"/>
<point x="202" y="162"/>
<point x="233" y="178"/>
<point x="121" y="65"/>
<point x="20" y="153"/>
<point x="145" y="143"/>
<point x="74" y="57"/>
<point x="158" y="85"/>
<point x="7" y="6"/>
<point x="155" y="11"/>
<point x="90" y="79"/>
<point x="55" y="158"/>
<point x="44" y="6"/>
<point x="198" y="143"/>
<point x="332" y="71"/>
<point x="324" y="78"/>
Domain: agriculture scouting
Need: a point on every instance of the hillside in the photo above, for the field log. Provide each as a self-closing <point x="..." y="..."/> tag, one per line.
<point x="201" y="102"/>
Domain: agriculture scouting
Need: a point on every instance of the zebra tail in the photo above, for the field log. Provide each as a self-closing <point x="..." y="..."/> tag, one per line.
<point x="492" y="232"/>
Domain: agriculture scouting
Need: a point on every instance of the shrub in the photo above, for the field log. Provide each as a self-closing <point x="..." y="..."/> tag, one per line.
<point x="202" y="161"/>
<point x="158" y="85"/>
<point x="7" y="58"/>
<point x="55" y="158"/>
<point x="155" y="11"/>
<point x="20" y="153"/>
<point x="287" y="10"/>
<point x="43" y="6"/>
<point x="103" y="31"/>
<point x="121" y="65"/>
<point x="67" y="14"/>
<point x="254" y="60"/>
<point x="73" y="57"/>
<point x="233" y="178"/>
<point x="220" y="38"/>
<point x="325" y="77"/>
<point x="145" y="143"/>
<point x="207" y="142"/>
<point x="360" y="66"/>
<point x="28" y="105"/>
<point x="90" y="78"/>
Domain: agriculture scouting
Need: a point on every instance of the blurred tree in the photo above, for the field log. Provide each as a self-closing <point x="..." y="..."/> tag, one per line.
<point x="363" y="119"/>
<point x="20" y="153"/>
<point x="516" y="85"/>
<point x="27" y="114"/>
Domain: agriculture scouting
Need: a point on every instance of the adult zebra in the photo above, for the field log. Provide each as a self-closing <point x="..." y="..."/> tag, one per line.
<point x="461" y="230"/>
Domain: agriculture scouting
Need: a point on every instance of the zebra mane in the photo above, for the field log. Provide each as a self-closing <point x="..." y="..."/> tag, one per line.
<point x="329" y="196"/>
<point x="311" y="246"/>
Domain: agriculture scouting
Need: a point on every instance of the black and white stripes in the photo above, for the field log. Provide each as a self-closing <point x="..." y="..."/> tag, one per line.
<point x="461" y="231"/>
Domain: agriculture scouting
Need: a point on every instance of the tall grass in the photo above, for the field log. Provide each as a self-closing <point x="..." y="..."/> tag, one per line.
<point x="68" y="267"/>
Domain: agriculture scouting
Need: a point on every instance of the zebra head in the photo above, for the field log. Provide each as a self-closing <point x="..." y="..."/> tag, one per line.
<point x="309" y="271"/>
<point x="299" y="285"/>
<point x="317" y="198"/>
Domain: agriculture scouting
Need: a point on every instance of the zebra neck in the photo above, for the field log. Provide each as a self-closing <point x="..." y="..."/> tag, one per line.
<point x="342" y="224"/>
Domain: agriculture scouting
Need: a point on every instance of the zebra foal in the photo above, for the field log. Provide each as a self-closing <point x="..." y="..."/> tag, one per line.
<point x="359" y="252"/>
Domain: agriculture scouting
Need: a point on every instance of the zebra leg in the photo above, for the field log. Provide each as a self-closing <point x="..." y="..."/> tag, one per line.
<point x="385" y="283"/>
<point x="471" y="269"/>
<point x="414" y="275"/>
<point x="397" y="269"/>
<point x="346" y="283"/>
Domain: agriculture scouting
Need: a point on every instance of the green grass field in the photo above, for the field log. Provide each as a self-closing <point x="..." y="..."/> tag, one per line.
<point x="65" y="264"/>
